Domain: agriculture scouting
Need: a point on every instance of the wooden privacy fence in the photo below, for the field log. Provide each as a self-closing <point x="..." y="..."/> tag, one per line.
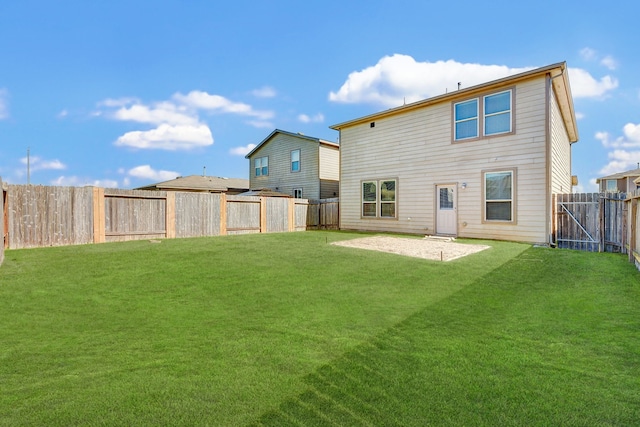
<point x="594" y="222"/>
<point x="53" y="216"/>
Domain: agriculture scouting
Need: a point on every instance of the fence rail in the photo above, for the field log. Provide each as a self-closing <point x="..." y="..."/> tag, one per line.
<point x="36" y="216"/>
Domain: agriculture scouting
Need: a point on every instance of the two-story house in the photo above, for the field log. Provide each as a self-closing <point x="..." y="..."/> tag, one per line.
<point x="622" y="182"/>
<point x="295" y="164"/>
<point x="481" y="162"/>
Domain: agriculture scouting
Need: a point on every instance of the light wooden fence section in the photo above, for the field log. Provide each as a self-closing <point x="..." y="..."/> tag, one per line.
<point x="48" y="216"/>
<point x="38" y="216"/>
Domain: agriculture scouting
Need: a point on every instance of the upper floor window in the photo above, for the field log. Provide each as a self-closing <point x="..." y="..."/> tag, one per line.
<point x="261" y="165"/>
<point x="612" y="186"/>
<point x="497" y="113"/>
<point x="483" y="116"/>
<point x="295" y="161"/>
<point x="466" y="117"/>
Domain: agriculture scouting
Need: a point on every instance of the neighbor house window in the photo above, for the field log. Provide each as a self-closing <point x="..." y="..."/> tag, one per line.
<point x="261" y="165"/>
<point x="612" y="186"/>
<point x="297" y="193"/>
<point x="499" y="196"/>
<point x="379" y="198"/>
<point x="295" y="161"/>
<point x="484" y="116"/>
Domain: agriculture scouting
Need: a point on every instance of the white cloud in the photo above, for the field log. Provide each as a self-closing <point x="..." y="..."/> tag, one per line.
<point x="168" y="137"/>
<point x="264" y="92"/>
<point x="260" y="124"/>
<point x="216" y="103"/>
<point x="242" y="151"/>
<point x="36" y="163"/>
<point x="4" y="104"/>
<point x="147" y="172"/>
<point x="176" y="121"/>
<point x="630" y="138"/>
<point x="318" y="118"/>
<point x="160" y="113"/>
<point x="400" y="79"/>
<point x="584" y="85"/>
<point x="62" y="114"/>
<point x="74" y="181"/>
<point x="588" y="54"/>
<point x="580" y="116"/>
<point x="609" y="62"/>
<point x="625" y="154"/>
<point x="397" y="79"/>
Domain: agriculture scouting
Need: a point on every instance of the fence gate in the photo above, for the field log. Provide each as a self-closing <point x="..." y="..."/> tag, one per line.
<point x="594" y="222"/>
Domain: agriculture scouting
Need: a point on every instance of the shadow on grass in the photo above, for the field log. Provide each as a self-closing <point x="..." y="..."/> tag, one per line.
<point x="532" y="348"/>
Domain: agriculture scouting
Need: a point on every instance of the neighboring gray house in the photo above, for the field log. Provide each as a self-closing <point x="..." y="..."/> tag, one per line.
<point x="201" y="184"/>
<point x="622" y="182"/>
<point x="481" y="162"/>
<point x="295" y="164"/>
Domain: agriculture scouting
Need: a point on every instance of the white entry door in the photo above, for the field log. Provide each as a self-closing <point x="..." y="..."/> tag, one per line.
<point x="446" y="210"/>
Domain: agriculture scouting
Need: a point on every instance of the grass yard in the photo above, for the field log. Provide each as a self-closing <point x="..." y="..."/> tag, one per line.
<point x="285" y="329"/>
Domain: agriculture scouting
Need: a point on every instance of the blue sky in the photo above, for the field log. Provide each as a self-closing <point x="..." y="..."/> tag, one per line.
<point x="124" y="93"/>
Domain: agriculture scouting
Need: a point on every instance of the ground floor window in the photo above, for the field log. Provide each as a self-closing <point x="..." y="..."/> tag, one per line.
<point x="297" y="193"/>
<point x="499" y="191"/>
<point x="379" y="198"/>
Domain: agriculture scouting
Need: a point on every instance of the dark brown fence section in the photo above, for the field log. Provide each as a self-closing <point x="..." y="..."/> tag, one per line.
<point x="323" y="214"/>
<point x="593" y="222"/>
<point x="52" y="216"/>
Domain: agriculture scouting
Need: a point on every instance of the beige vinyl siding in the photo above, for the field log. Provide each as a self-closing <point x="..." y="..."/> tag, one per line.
<point x="560" y="151"/>
<point x="329" y="167"/>
<point x="416" y="148"/>
<point x="280" y="177"/>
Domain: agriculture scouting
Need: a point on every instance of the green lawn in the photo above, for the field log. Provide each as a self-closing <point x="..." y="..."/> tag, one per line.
<point x="285" y="329"/>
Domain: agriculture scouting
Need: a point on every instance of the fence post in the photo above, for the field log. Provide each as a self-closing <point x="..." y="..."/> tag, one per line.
<point x="170" y="212"/>
<point x="292" y="214"/>
<point x="263" y="214"/>
<point x="98" y="215"/>
<point x="223" y="214"/>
